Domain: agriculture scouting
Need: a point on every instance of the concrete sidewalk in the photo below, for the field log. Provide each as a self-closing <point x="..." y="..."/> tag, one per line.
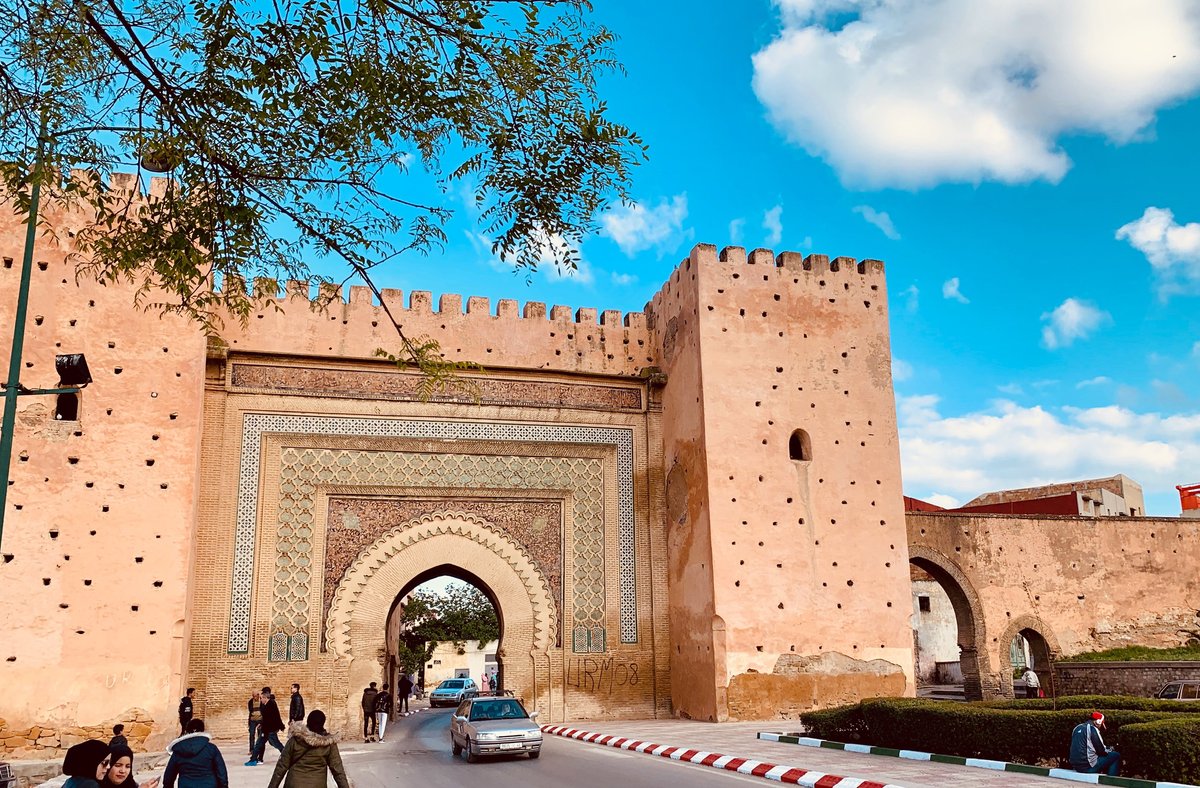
<point x="740" y="739"/>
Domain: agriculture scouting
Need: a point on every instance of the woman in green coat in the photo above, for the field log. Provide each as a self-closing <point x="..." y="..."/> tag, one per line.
<point x="308" y="756"/>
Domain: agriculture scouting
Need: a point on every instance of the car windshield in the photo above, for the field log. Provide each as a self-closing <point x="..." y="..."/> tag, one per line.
<point x="451" y="684"/>
<point x="505" y="709"/>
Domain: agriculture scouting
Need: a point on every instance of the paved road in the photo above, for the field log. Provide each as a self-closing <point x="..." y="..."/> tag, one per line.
<point x="419" y="747"/>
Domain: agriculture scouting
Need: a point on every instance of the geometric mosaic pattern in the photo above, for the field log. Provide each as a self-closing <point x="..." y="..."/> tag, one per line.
<point x="302" y="470"/>
<point x="254" y="425"/>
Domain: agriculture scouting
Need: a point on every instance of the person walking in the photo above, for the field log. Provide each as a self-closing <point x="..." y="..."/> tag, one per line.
<point x="1088" y="751"/>
<point x="1032" y="685"/>
<point x="186" y="709"/>
<point x="403" y="689"/>
<point x="118" y="738"/>
<point x="253" y="719"/>
<point x="195" y="761"/>
<point x="120" y="772"/>
<point x="296" y="711"/>
<point x="368" y="708"/>
<point x="383" y="709"/>
<point x="268" y="730"/>
<point x="485" y="684"/>
<point x="86" y="764"/>
<point x="310" y="755"/>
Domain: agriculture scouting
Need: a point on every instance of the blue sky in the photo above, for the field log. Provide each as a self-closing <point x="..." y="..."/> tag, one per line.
<point x="1027" y="171"/>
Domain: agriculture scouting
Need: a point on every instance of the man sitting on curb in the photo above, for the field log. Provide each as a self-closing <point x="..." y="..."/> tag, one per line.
<point x="1088" y="753"/>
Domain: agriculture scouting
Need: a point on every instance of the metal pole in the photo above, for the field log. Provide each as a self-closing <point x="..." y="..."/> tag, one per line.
<point x="12" y="390"/>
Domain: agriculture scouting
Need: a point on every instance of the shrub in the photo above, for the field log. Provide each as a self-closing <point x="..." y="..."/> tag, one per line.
<point x="1020" y="734"/>
<point x="1138" y="654"/>
<point x="1102" y="703"/>
<point x="1164" y="748"/>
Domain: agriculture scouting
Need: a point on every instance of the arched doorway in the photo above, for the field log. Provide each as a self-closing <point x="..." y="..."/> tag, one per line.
<point x="453" y="587"/>
<point x="974" y="666"/>
<point x="356" y="629"/>
<point x="1034" y="643"/>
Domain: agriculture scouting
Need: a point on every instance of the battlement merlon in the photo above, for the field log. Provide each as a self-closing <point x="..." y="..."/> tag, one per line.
<point x="807" y="270"/>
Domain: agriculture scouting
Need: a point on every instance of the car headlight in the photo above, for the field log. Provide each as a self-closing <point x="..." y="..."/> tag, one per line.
<point x="486" y="736"/>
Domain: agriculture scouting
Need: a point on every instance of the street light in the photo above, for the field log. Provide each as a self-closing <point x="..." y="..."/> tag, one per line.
<point x="72" y="368"/>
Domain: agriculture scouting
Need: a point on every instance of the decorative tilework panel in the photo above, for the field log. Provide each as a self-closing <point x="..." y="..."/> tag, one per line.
<point x="255" y="424"/>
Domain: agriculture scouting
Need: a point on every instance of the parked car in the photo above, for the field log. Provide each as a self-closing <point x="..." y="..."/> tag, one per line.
<point x="452" y="692"/>
<point x="494" y="726"/>
<point x="1180" y="690"/>
<point x="7" y="778"/>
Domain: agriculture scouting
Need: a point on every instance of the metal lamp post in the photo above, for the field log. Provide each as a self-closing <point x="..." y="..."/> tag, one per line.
<point x="72" y="369"/>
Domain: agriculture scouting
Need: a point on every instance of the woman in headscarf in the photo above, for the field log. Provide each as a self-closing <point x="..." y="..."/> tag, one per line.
<point x="87" y="763"/>
<point x="120" y="773"/>
<point x="309" y="755"/>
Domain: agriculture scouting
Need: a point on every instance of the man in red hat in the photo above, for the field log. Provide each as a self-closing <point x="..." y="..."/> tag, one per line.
<point x="1088" y="752"/>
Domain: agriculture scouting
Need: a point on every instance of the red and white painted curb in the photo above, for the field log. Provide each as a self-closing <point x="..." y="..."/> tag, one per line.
<point x="770" y="771"/>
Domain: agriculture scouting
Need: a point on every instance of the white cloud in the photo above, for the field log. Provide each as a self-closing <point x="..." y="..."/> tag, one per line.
<point x="912" y="298"/>
<point x="547" y="262"/>
<point x="944" y="501"/>
<point x="918" y="92"/>
<point x="901" y="370"/>
<point x="772" y="224"/>
<point x="1009" y="446"/>
<point x="635" y="227"/>
<point x="1099" y="380"/>
<point x="1173" y="249"/>
<point x="735" y="231"/>
<point x="1196" y="350"/>
<point x="950" y="290"/>
<point x="1071" y="320"/>
<point x="1011" y="389"/>
<point x="878" y="218"/>
<point x="623" y="280"/>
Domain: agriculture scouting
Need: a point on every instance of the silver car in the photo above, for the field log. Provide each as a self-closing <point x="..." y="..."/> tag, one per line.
<point x="452" y="692"/>
<point x="494" y="726"/>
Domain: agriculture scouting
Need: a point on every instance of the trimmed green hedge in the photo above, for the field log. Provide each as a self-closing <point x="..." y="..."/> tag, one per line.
<point x="1166" y="746"/>
<point x="1096" y="702"/>
<point x="1019" y="735"/>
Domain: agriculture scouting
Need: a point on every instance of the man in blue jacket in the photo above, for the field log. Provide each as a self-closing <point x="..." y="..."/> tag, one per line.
<point x="1088" y="752"/>
<point x="195" y="760"/>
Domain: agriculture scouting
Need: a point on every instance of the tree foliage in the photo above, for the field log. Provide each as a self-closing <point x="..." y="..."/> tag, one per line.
<point x="303" y="130"/>
<point x="462" y="613"/>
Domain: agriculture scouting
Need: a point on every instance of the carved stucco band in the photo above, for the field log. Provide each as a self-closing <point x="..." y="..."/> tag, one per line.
<point x="255" y="424"/>
<point x="358" y="576"/>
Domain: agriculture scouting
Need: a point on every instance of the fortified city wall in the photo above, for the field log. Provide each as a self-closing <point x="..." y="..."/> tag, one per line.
<point x="783" y="579"/>
<point x="97" y="540"/>
<point x="805" y="560"/>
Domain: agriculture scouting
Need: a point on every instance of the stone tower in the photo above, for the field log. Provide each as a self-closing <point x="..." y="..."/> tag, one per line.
<point x="787" y="546"/>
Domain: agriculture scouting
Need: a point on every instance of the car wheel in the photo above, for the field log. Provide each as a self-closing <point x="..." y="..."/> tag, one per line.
<point x="533" y="756"/>
<point x="472" y="756"/>
<point x="454" y="745"/>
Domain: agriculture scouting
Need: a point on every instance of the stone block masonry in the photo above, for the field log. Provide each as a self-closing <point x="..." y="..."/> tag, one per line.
<point x="1140" y="679"/>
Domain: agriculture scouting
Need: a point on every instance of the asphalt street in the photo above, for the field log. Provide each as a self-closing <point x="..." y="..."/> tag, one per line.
<point x="417" y="752"/>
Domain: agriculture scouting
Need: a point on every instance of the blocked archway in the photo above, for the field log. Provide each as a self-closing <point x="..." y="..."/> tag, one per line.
<point x="357" y="622"/>
<point x="978" y="680"/>
<point x="1044" y="650"/>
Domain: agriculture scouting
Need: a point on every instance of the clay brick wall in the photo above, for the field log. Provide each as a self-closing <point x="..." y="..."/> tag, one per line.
<point x="1082" y="583"/>
<point x="807" y="557"/>
<point x="1140" y="679"/>
<point x="97" y="533"/>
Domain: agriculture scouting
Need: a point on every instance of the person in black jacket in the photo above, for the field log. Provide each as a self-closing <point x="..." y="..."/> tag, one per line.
<point x="296" y="712"/>
<point x="268" y="730"/>
<point x="118" y="739"/>
<point x="195" y="761"/>
<point x="185" y="710"/>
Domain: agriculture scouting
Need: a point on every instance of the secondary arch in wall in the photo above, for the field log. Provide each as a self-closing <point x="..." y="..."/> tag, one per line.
<point x="1043" y="646"/>
<point x="968" y="614"/>
<point x="366" y="595"/>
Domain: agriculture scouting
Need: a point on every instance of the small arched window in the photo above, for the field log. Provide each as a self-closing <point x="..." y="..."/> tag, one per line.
<point x="800" y="446"/>
<point x="66" y="408"/>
